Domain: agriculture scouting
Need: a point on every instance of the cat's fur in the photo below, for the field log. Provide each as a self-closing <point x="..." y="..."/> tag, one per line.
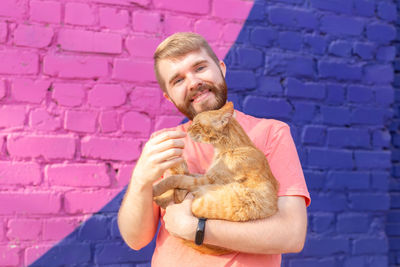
<point x="238" y="186"/>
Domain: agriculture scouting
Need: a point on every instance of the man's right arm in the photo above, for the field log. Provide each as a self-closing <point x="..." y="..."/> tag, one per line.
<point x="138" y="217"/>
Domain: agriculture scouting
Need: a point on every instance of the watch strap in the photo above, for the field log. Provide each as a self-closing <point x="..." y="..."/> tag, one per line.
<point x="201" y="227"/>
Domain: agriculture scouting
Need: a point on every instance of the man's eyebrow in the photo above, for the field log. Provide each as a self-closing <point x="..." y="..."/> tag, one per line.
<point x="199" y="62"/>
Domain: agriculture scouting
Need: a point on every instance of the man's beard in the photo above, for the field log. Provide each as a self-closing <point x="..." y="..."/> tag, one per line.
<point x="220" y="92"/>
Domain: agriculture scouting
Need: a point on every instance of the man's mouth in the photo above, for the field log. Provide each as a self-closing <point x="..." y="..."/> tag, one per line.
<point x="200" y="95"/>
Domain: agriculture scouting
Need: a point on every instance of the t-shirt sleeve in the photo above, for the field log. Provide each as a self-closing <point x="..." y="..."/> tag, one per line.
<point x="284" y="162"/>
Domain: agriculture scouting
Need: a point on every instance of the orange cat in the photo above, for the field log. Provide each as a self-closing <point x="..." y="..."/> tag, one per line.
<point x="238" y="186"/>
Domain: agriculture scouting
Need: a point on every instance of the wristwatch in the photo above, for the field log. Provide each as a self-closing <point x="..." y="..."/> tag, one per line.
<point x="201" y="227"/>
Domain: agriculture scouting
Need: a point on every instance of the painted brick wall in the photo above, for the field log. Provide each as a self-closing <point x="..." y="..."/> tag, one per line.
<point x="78" y="99"/>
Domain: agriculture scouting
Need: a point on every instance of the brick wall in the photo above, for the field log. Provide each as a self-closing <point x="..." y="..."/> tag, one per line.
<point x="78" y="99"/>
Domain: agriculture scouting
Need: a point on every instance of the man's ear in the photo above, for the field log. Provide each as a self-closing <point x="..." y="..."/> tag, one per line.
<point x="222" y="66"/>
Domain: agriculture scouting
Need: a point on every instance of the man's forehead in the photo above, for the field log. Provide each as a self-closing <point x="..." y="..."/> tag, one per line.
<point x="189" y="57"/>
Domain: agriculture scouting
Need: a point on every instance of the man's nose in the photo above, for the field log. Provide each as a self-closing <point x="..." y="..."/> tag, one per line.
<point x="194" y="82"/>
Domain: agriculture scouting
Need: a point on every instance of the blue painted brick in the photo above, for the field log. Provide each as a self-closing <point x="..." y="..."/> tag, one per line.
<point x="396" y="140"/>
<point x="387" y="11"/>
<point x="369" y="116"/>
<point x="115" y="234"/>
<point x="370" y="245"/>
<point x="267" y="108"/>
<point x="335" y="94"/>
<point x="316" y="43"/>
<point x="396" y="64"/>
<point x="240" y="80"/>
<point x="312" y="263"/>
<point x="96" y="228"/>
<point x="289" y="1"/>
<point x="393" y="216"/>
<point x="303" y="111"/>
<point x="354" y="262"/>
<point x="384" y="96"/>
<point x="347" y="180"/>
<point x="328" y="203"/>
<point x="257" y="12"/>
<point x="315" y="179"/>
<point x="301" y="67"/>
<point x="323" y="222"/>
<point x="395" y="201"/>
<point x="353" y="223"/>
<point x="381" y="139"/>
<point x="236" y="99"/>
<point x="364" y="7"/>
<point x="364" y="50"/>
<point x="339" y="6"/>
<point x="395" y="155"/>
<point x="369" y="201"/>
<point x="339" y="25"/>
<point x="290" y="40"/>
<point x="269" y="86"/>
<point x="386" y="53"/>
<point x="340" y="48"/>
<point x="263" y="36"/>
<point x="339" y="70"/>
<point x="359" y="94"/>
<point x="147" y="264"/>
<point x="379" y="261"/>
<point x="393" y="229"/>
<point x="379" y="74"/>
<point x="292" y="17"/>
<point x="325" y="246"/>
<point x="335" y="115"/>
<point x="249" y="58"/>
<point x="394" y="244"/>
<point x="65" y="255"/>
<point x="313" y="135"/>
<point x="381" y="33"/>
<point x="107" y="253"/>
<point x="396" y="82"/>
<point x="296" y="88"/>
<point x="372" y="159"/>
<point x="330" y="158"/>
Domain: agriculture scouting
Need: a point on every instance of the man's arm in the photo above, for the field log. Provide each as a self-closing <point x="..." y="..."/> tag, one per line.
<point x="283" y="232"/>
<point x="137" y="216"/>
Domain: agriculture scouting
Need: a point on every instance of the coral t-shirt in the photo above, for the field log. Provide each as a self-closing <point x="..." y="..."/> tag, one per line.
<point x="274" y="139"/>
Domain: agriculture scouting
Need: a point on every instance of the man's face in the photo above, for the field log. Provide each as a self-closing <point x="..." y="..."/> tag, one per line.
<point x="194" y="83"/>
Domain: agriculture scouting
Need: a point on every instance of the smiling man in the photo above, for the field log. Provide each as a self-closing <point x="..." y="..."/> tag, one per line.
<point x="192" y="77"/>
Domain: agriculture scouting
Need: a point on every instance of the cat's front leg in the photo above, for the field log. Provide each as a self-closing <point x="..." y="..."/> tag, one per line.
<point x="165" y="184"/>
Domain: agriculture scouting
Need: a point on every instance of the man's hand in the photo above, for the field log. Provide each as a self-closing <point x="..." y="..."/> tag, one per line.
<point x="162" y="151"/>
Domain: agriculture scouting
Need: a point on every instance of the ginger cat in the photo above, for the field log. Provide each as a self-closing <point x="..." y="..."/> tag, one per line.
<point x="238" y="186"/>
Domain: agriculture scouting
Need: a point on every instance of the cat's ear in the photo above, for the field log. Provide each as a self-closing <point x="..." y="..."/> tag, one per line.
<point x="225" y="116"/>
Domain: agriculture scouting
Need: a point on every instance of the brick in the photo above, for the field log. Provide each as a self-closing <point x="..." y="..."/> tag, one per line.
<point x="75" y="67"/>
<point x="372" y="159"/>
<point x="354" y="261"/>
<point x="312" y="263"/>
<point x="19" y="173"/>
<point x="359" y="94"/>
<point x="47" y="146"/>
<point x="349" y="137"/>
<point x="323" y="222"/>
<point x="339" y="70"/>
<point x="30" y="203"/>
<point x="267" y="108"/>
<point x="79" y="13"/>
<point x="364" y="7"/>
<point x="263" y="36"/>
<point x="33" y="36"/>
<point x="24" y="229"/>
<point x="230" y="32"/>
<point x="68" y="94"/>
<point x="335" y="116"/>
<point x="296" y="88"/>
<point x="313" y="135"/>
<point x="89" y="41"/>
<point x="335" y="94"/>
<point x="369" y="201"/>
<point x="3" y="32"/>
<point x="9" y="255"/>
<point x="238" y="10"/>
<point x="300" y="66"/>
<point x="292" y="17"/>
<point x="384" y="96"/>
<point x="368" y="116"/>
<point x="142" y="3"/>
<point x="203" y="26"/>
<point x="386" y="53"/>
<point x="303" y="112"/>
<point x="13" y="9"/>
<point x="380" y="181"/>
<point x="18" y="62"/>
<point x="338" y="25"/>
<point x="325" y="246"/>
<point x="269" y="86"/>
<point x="370" y="245"/>
<point x="95" y="228"/>
<point x="77" y="175"/>
<point x="113" y="19"/>
<point x="249" y="58"/>
<point x="143" y="21"/>
<point x="340" y="48"/>
<point x="12" y="116"/>
<point x="338" y="6"/>
<point x="240" y="80"/>
<point x="394" y="200"/>
<point x="350" y="223"/>
<point x="108" y="253"/>
<point x="290" y="40"/>
<point x="108" y="121"/>
<point x="330" y="158"/>
<point x="41" y="119"/>
<point x="80" y="121"/>
<point x="162" y="122"/>
<point x="317" y="44"/>
<point x="86" y="202"/>
<point x="123" y="149"/>
<point x="107" y="95"/>
<point x="146" y="99"/>
<point x="387" y="11"/>
<point x="342" y="180"/>
<point x="364" y="50"/>
<point x="68" y="254"/>
<point x="381" y="139"/>
<point x="379" y="74"/>
<point x="58" y="228"/>
<point x="31" y="91"/>
<point x="133" y="70"/>
<point x="188" y="6"/>
<point x="124" y="174"/>
<point x="142" y="46"/>
<point x="174" y="23"/>
<point x="381" y="33"/>
<point x="45" y="11"/>
<point x="136" y="123"/>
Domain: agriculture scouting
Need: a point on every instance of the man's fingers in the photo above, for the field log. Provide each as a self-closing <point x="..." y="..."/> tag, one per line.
<point x="167" y="135"/>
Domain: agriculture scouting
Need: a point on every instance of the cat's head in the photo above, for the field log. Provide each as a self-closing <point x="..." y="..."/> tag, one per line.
<point x="208" y="126"/>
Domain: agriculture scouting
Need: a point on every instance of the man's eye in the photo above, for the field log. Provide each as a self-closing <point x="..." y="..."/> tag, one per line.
<point x="200" y="68"/>
<point x="178" y="81"/>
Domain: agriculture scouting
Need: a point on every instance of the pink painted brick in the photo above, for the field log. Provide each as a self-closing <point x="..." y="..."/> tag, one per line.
<point x="89" y="41"/>
<point x="87" y="202"/>
<point x="137" y="123"/>
<point x="133" y="70"/>
<point x="190" y="6"/>
<point x="142" y="46"/>
<point x="33" y="36"/>
<point x="18" y="62"/>
<point x="58" y="228"/>
<point x="77" y="175"/>
<point x="35" y="252"/>
<point x="124" y="175"/>
<point x="12" y="8"/>
<point x="142" y="3"/>
<point x="9" y="255"/>
<point x="68" y="94"/>
<point x="12" y="116"/>
<point x="146" y="99"/>
<point x="143" y="21"/>
<point x="107" y="95"/>
<point x="175" y="23"/>
<point x="238" y="9"/>
<point x="20" y="173"/>
<point x="208" y="28"/>
<point x="47" y="146"/>
<point x="110" y="148"/>
<point x="168" y="108"/>
<point x="230" y="32"/>
<point x="2" y="88"/>
<point x="167" y="122"/>
<point x="30" y="202"/>
<point x="2" y="227"/>
<point x="3" y="32"/>
<point x="79" y="13"/>
<point x="80" y="121"/>
<point x="24" y="229"/>
<point x="113" y="19"/>
<point x="41" y="119"/>
<point x="108" y="121"/>
<point x="31" y="91"/>
<point x="74" y="66"/>
<point x="45" y="11"/>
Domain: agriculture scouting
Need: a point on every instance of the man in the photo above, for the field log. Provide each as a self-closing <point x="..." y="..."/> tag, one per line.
<point x="193" y="78"/>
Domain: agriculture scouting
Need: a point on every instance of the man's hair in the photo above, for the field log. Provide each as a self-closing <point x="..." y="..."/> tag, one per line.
<point x="178" y="45"/>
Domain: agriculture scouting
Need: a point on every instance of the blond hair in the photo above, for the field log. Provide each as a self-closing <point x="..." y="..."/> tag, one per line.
<point x="178" y="45"/>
